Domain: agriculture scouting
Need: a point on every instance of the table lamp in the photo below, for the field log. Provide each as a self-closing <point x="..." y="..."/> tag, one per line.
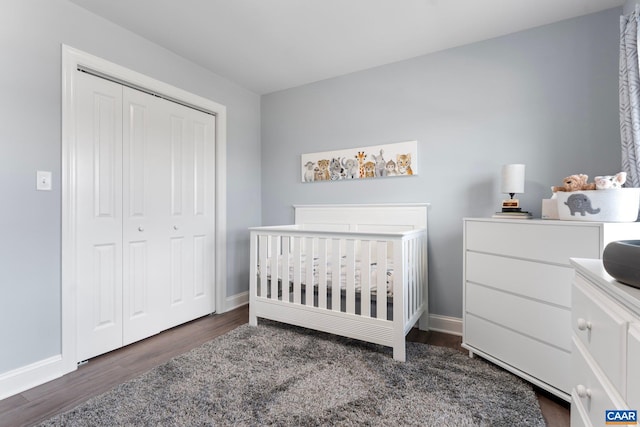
<point x="512" y="183"/>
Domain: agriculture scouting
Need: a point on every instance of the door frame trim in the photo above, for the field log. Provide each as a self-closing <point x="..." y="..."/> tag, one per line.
<point x="71" y="59"/>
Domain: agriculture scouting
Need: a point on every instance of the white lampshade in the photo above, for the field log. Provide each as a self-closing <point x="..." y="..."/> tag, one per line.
<point x="512" y="179"/>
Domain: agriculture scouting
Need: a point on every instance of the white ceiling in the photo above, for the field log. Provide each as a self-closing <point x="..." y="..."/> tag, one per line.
<point x="269" y="45"/>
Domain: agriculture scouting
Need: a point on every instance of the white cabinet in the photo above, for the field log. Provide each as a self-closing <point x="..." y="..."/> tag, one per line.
<point x="517" y="292"/>
<point x="605" y="359"/>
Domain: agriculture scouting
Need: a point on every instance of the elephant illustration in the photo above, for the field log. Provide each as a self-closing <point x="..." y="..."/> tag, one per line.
<point x="580" y="203"/>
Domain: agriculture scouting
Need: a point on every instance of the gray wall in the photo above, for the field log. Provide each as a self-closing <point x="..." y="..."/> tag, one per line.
<point x="31" y="34"/>
<point x="630" y="5"/>
<point x="546" y="97"/>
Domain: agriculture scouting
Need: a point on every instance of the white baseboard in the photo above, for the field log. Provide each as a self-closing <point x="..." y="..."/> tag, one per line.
<point x="446" y="324"/>
<point x="235" y="301"/>
<point x="29" y="376"/>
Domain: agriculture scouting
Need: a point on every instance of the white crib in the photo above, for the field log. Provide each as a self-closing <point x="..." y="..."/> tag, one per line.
<point x="358" y="271"/>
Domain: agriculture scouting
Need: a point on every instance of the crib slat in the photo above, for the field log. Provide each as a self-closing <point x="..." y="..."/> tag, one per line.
<point x="424" y="283"/>
<point x="322" y="273"/>
<point x="336" y="275"/>
<point x="400" y="284"/>
<point x="297" y="270"/>
<point x="284" y="284"/>
<point x="411" y="278"/>
<point x="275" y="273"/>
<point x="350" y="268"/>
<point x="253" y="277"/>
<point x="412" y="260"/>
<point x="418" y="271"/>
<point x="308" y="281"/>
<point x="381" y="276"/>
<point x="417" y="267"/>
<point x="262" y="262"/>
<point x="406" y="291"/>
<point x="365" y="278"/>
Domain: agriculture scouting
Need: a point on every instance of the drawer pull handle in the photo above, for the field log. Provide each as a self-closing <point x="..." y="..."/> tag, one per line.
<point x="583" y="325"/>
<point x="583" y="391"/>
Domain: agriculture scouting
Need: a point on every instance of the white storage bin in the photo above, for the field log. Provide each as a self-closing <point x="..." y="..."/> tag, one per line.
<point x="611" y="205"/>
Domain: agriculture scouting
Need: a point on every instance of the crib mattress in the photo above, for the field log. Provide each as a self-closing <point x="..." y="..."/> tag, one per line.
<point x="373" y="271"/>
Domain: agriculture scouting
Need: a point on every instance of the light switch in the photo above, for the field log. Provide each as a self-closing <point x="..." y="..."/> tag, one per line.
<point x="43" y="180"/>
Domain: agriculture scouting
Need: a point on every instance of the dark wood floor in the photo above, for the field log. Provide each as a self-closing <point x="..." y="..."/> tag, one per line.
<point x="104" y="372"/>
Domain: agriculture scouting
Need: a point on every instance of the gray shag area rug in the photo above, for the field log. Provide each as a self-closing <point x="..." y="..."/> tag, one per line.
<point x="281" y="375"/>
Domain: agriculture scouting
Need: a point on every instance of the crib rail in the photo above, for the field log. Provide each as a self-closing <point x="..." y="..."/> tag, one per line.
<point x="374" y="275"/>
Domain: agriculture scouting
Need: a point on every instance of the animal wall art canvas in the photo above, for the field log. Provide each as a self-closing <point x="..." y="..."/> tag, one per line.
<point x="376" y="161"/>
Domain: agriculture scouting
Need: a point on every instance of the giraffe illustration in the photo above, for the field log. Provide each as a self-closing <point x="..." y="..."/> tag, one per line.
<point x="361" y="158"/>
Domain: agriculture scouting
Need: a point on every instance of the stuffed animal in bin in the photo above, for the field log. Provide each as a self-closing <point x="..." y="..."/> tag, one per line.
<point x="575" y="183"/>
<point x="609" y="181"/>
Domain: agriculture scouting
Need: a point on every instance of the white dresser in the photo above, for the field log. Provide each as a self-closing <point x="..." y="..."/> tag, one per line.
<point x="605" y="359"/>
<point x="517" y="292"/>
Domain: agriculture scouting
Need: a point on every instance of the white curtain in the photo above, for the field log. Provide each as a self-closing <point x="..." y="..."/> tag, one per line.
<point x="630" y="97"/>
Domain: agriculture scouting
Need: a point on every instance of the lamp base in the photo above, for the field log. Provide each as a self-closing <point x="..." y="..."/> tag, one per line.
<point x="511" y="205"/>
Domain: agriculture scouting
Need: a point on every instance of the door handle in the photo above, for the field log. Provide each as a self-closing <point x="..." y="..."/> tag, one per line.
<point x="140" y="229"/>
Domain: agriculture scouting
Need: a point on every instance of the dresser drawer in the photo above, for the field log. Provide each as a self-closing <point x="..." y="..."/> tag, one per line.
<point x="633" y="367"/>
<point x="544" y="362"/>
<point x="549" y="243"/>
<point x="545" y="322"/>
<point x="601" y="330"/>
<point x="589" y="390"/>
<point x="543" y="282"/>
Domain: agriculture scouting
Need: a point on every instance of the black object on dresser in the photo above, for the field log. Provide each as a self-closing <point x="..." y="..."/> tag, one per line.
<point x="621" y="259"/>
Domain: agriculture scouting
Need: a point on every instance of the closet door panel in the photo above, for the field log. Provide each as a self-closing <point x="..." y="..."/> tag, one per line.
<point x="177" y="271"/>
<point x="180" y="253"/>
<point x="177" y="165"/>
<point x="199" y="141"/>
<point x="200" y="265"/>
<point x="192" y="213"/>
<point x="146" y="205"/>
<point x="98" y="182"/>
<point x="137" y="279"/>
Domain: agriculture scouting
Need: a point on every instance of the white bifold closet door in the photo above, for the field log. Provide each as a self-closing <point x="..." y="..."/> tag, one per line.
<point x="144" y="214"/>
